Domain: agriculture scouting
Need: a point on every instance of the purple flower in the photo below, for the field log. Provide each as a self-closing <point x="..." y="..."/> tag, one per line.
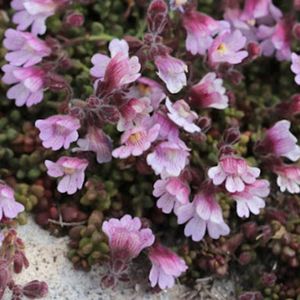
<point x="126" y="237"/>
<point x="227" y="48"/>
<point x="172" y="72"/>
<point x="280" y="141"/>
<point x="288" y="178"/>
<point x="28" y="84"/>
<point x="209" y="92"/>
<point x="71" y="169"/>
<point x="235" y="172"/>
<point x="136" y="141"/>
<point x="166" y="266"/>
<point x="295" y="67"/>
<point x="171" y="192"/>
<point x="58" y="131"/>
<point x="9" y="208"/>
<point x="251" y="198"/>
<point x="204" y="213"/>
<point x="98" y="142"/>
<point x="168" y="158"/>
<point x="26" y="49"/>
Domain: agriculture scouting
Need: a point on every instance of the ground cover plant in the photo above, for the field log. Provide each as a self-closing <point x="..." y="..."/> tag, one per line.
<point x="165" y="131"/>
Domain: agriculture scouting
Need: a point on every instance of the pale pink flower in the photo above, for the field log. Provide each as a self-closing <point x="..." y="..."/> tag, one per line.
<point x="288" y="178"/>
<point x="26" y="49"/>
<point x="117" y="70"/>
<point x="235" y="172"/>
<point x="171" y="71"/>
<point x="166" y="266"/>
<point x="28" y="84"/>
<point x="126" y="237"/>
<point x="71" y="170"/>
<point x="98" y="142"/>
<point x="209" y="92"/>
<point x="227" y="47"/>
<point x="280" y="141"/>
<point x="58" y="131"/>
<point x="168" y="130"/>
<point x="250" y="200"/>
<point x="171" y="191"/>
<point x="182" y="115"/>
<point x="9" y="208"/>
<point x="204" y="213"/>
<point x="295" y="67"/>
<point x="168" y="158"/>
<point x="178" y="4"/>
<point x="34" y="13"/>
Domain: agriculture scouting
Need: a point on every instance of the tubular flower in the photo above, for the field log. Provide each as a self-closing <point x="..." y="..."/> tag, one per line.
<point x="288" y="178"/>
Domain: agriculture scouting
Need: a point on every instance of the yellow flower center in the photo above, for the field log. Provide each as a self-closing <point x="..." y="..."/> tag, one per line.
<point x="135" y="137"/>
<point x="69" y="171"/>
<point x="222" y="48"/>
<point x="251" y="22"/>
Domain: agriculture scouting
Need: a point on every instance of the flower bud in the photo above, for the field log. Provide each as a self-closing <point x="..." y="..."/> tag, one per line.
<point x="35" y="289"/>
<point x="157" y="16"/>
<point x="74" y="19"/>
<point x="231" y="136"/>
<point x="254" y="51"/>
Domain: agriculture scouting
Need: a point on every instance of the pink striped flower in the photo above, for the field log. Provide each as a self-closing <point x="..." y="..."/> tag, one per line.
<point x="166" y="266"/>
<point x="235" y="172"/>
<point x="28" y="84"/>
<point x="288" y="178"/>
<point x="250" y="200"/>
<point x="71" y="170"/>
<point x="58" y="131"/>
<point x="171" y="192"/>
<point x="9" y="208"/>
<point x="168" y="130"/>
<point x="295" y="67"/>
<point x="209" y="92"/>
<point x="204" y="213"/>
<point x="26" y="49"/>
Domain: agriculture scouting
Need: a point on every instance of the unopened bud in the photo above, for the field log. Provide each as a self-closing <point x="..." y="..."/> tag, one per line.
<point x="35" y="289"/>
<point x="75" y="19"/>
<point x="254" y="50"/>
<point x="157" y="16"/>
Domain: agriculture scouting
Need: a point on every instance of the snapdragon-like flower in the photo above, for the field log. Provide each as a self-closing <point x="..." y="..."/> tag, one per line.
<point x="227" y="47"/>
<point x="34" y="13"/>
<point x="58" y="131"/>
<point x="98" y="142"/>
<point x="168" y="130"/>
<point x="288" y="178"/>
<point x="136" y="140"/>
<point x="209" y="92"/>
<point x="126" y="237"/>
<point x="204" y="213"/>
<point x="235" y="172"/>
<point x="250" y="200"/>
<point x="280" y="141"/>
<point x="295" y="67"/>
<point x="171" y="192"/>
<point x="166" y="266"/>
<point x="118" y="70"/>
<point x="26" y="49"/>
<point x="28" y="84"/>
<point x="9" y="208"/>
<point x="182" y="115"/>
<point x="171" y="71"/>
<point x="169" y="158"/>
<point x="71" y="169"/>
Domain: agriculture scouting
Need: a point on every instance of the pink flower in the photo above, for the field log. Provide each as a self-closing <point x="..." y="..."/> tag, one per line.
<point x="28" y="84"/>
<point x="58" y="131"/>
<point x="136" y="141"/>
<point x="34" y="13"/>
<point x="280" y="141"/>
<point x="168" y="158"/>
<point x="227" y="48"/>
<point x="9" y="208"/>
<point x="295" y="67"/>
<point x="178" y="4"/>
<point x="118" y="70"/>
<point x="168" y="130"/>
<point x="71" y="169"/>
<point x="250" y="200"/>
<point x="288" y="178"/>
<point x="209" y="92"/>
<point x="26" y="49"/>
<point x="235" y="172"/>
<point x="126" y="237"/>
<point x="166" y="266"/>
<point x="204" y="213"/>
<point x="98" y="142"/>
<point x="182" y="115"/>
<point x="172" y="72"/>
<point x="170" y="192"/>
